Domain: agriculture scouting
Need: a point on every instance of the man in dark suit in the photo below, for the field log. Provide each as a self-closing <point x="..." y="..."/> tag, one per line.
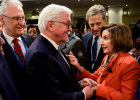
<point x="8" y="89"/>
<point x="47" y="70"/>
<point x="136" y="31"/>
<point x="76" y="46"/>
<point x="13" y="19"/>
<point x="135" y="52"/>
<point x="97" y="19"/>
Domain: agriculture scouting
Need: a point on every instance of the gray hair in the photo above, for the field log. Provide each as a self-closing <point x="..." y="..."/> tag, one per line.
<point x="5" y="3"/>
<point x="51" y="12"/>
<point x="95" y="9"/>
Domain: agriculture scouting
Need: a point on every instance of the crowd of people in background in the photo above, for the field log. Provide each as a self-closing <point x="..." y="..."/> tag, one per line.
<point x="55" y="60"/>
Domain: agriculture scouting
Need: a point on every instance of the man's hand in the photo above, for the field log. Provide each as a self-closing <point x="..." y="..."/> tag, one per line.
<point x="88" y="92"/>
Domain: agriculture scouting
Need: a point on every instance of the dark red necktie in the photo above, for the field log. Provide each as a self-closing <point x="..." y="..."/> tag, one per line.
<point x="18" y="50"/>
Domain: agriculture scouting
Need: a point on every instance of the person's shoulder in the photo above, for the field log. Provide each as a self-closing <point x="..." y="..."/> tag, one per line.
<point x="127" y="59"/>
<point x="28" y="36"/>
<point x="86" y="35"/>
<point x="77" y="38"/>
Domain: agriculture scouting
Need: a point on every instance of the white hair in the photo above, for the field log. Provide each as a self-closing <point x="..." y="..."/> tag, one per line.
<point x="51" y="12"/>
<point x="5" y="3"/>
<point x="95" y="9"/>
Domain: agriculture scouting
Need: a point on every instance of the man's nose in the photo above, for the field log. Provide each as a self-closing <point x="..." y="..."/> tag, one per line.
<point x="95" y="27"/>
<point x="22" y="22"/>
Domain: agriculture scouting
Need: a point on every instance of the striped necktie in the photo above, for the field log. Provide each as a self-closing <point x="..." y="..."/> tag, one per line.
<point x="18" y="50"/>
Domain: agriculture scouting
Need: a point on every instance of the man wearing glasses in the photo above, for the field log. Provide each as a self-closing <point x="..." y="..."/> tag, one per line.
<point x="16" y="43"/>
<point x="1" y="28"/>
<point x="48" y="72"/>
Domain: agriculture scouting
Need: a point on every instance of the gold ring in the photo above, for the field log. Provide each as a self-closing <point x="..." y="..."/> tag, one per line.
<point x="93" y="88"/>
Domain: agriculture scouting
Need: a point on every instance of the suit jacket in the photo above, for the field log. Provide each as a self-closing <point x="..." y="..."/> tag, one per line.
<point x="77" y="47"/>
<point x="136" y="32"/>
<point x="121" y="83"/>
<point x="47" y="74"/>
<point x="7" y="86"/>
<point x="138" y="59"/>
<point x="87" y="40"/>
<point x="14" y="65"/>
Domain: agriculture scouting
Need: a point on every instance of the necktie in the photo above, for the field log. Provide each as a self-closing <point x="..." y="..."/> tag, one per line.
<point x="18" y="50"/>
<point x="94" y="50"/>
<point x="59" y="50"/>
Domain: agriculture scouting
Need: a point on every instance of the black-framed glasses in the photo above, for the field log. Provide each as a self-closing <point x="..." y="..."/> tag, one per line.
<point x="68" y="24"/>
<point x="17" y="18"/>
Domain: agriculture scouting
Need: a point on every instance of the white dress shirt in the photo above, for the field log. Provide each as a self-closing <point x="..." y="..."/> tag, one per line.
<point x="98" y="47"/>
<point x="10" y="39"/>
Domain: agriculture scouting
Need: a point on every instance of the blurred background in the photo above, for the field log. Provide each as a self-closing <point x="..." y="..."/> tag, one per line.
<point x="130" y="9"/>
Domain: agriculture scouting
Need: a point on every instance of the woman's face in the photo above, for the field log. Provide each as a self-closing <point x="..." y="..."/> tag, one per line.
<point x="106" y="43"/>
<point x="33" y="31"/>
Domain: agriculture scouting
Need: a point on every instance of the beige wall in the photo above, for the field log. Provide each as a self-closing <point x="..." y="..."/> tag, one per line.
<point x="126" y="19"/>
<point x="130" y="19"/>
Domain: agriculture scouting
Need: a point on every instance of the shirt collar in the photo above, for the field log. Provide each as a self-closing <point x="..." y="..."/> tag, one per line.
<point x="51" y="41"/>
<point x="9" y="38"/>
<point x="99" y="38"/>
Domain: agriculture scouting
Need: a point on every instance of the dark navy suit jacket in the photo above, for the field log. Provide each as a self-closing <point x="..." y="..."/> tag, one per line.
<point x="14" y="66"/>
<point x="87" y="40"/>
<point x="7" y="86"/>
<point x="48" y="75"/>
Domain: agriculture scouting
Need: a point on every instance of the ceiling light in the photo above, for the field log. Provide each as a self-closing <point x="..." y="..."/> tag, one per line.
<point x="78" y="0"/>
<point x="92" y="0"/>
<point x="108" y="6"/>
<point x="126" y="5"/>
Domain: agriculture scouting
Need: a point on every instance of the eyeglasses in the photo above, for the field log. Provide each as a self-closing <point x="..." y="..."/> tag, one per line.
<point x="17" y="18"/>
<point x="68" y="24"/>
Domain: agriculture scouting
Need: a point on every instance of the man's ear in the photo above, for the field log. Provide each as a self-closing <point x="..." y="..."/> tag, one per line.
<point x="50" y="26"/>
<point x="1" y="19"/>
<point x="105" y="20"/>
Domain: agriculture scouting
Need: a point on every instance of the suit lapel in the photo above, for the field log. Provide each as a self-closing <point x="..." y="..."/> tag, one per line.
<point x="89" y="43"/>
<point x="68" y="67"/>
<point x="115" y="69"/>
<point x="89" y="53"/>
<point x="89" y="46"/>
<point x="111" y="75"/>
<point x="55" y="53"/>
<point x="61" y="60"/>
<point x="6" y="48"/>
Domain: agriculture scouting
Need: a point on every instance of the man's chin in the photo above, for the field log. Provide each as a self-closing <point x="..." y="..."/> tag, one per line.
<point x="97" y="34"/>
<point x="18" y="34"/>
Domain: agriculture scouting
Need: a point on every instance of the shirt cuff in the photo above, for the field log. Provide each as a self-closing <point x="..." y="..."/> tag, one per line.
<point x="84" y="95"/>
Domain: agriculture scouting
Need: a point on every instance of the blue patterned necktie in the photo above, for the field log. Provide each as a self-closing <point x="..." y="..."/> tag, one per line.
<point x="94" y="50"/>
